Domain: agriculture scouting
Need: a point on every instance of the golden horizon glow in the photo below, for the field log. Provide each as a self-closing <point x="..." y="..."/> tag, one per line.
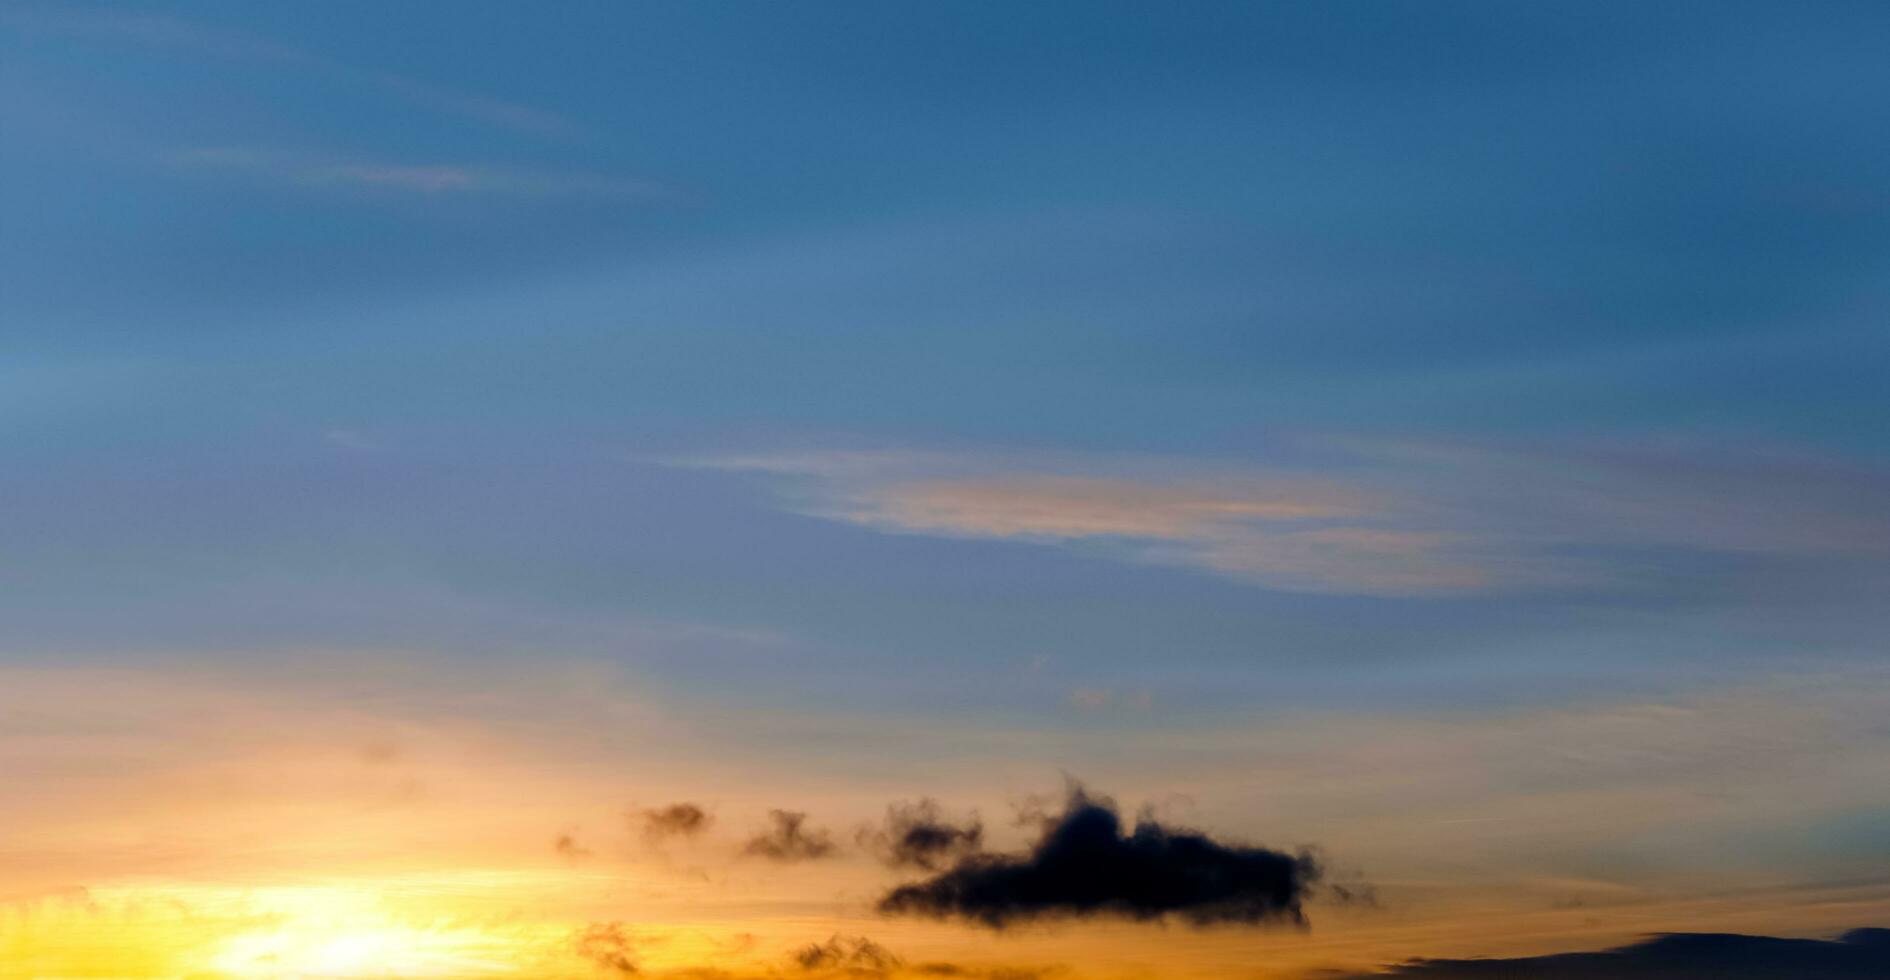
<point x="421" y="843"/>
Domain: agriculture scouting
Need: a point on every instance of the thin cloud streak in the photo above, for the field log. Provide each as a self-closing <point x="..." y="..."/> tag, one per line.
<point x="1369" y="517"/>
<point x="428" y="179"/>
<point x="1077" y="507"/>
<point x="158" y="31"/>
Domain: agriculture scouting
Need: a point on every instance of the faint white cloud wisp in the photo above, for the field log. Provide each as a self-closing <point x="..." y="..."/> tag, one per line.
<point x="432" y="179"/>
<point x="159" y="31"/>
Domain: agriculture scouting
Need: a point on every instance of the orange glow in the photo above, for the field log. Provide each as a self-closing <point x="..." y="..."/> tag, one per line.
<point x="422" y="844"/>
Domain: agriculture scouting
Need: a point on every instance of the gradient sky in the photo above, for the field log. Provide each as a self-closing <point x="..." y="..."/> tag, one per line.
<point x="1450" y="435"/>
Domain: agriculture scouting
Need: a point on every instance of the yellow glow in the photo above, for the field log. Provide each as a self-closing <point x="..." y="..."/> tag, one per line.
<point x="304" y="855"/>
<point x="375" y="927"/>
<point x="321" y="950"/>
<point x="349" y="931"/>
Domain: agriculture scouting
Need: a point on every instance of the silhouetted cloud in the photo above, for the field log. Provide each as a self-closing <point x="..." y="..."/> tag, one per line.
<point x="674" y="820"/>
<point x="1857" y="955"/>
<point x="856" y="954"/>
<point x="608" y="945"/>
<point x="789" y="839"/>
<point x="917" y="835"/>
<point x="860" y="958"/>
<point x="1353" y="894"/>
<point x="1084" y="866"/>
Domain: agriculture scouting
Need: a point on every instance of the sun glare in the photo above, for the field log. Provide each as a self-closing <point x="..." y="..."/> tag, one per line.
<point x="352" y="931"/>
<point x="398" y="926"/>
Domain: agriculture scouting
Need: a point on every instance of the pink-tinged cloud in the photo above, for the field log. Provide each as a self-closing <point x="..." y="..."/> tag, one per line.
<point x="1371" y="518"/>
<point x="1077" y="507"/>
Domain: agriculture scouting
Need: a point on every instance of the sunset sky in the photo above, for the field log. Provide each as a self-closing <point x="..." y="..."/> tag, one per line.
<point x="1007" y="491"/>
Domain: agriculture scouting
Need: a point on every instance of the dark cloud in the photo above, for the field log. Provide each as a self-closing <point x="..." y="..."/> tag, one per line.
<point x="857" y="958"/>
<point x="917" y="835"/>
<point x="674" y="820"/>
<point x="858" y="955"/>
<point x="608" y="945"/>
<point x="861" y="958"/>
<point x="1857" y="955"/>
<point x="1354" y="893"/>
<point x="568" y="846"/>
<point x="789" y="839"/>
<point x="1083" y="866"/>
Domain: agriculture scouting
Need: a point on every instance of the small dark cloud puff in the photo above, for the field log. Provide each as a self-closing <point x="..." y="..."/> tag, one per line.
<point x="856" y="954"/>
<point x="674" y="820"/>
<point x="917" y="835"/>
<point x="789" y="839"/>
<point x="568" y="846"/>
<point x="860" y="958"/>
<point x="608" y="945"/>
<point x="1084" y="866"/>
<point x="1355" y="893"/>
<point x="1861" y="954"/>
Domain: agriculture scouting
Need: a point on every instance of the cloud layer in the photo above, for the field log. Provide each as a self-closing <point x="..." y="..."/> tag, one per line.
<point x="1375" y="517"/>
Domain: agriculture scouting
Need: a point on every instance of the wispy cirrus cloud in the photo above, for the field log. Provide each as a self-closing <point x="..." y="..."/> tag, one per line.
<point x="1054" y="506"/>
<point x="319" y="171"/>
<point x="1296" y="530"/>
<point x="1373" y="517"/>
<point x="160" y="31"/>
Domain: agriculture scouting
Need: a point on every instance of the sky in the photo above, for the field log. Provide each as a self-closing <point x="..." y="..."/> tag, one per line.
<point x="1092" y="491"/>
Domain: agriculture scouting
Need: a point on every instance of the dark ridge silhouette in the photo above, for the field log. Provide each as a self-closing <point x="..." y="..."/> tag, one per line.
<point x="1861" y="954"/>
<point x="1084" y="866"/>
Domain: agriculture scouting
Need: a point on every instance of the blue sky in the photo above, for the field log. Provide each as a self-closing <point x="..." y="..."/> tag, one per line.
<point x="1106" y="368"/>
<point x="294" y="290"/>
